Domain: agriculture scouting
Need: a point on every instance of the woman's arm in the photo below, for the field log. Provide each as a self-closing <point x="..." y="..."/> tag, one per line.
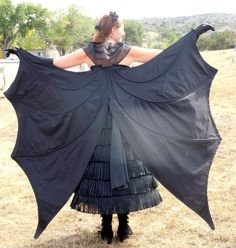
<point x="140" y="54"/>
<point x="72" y="59"/>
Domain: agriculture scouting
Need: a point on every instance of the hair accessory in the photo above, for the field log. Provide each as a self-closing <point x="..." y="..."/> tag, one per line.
<point x="114" y="16"/>
<point x="97" y="27"/>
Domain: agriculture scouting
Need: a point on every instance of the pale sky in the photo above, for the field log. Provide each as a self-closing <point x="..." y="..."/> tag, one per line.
<point x="138" y="9"/>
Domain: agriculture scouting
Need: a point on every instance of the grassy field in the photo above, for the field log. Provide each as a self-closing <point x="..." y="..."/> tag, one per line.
<point x="170" y="224"/>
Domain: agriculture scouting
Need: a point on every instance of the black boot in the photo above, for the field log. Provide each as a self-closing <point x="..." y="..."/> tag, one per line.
<point x="106" y="232"/>
<point x="124" y="230"/>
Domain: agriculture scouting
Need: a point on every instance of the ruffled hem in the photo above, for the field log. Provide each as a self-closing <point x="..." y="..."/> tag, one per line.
<point x="100" y="170"/>
<point x="116" y="204"/>
<point x="97" y="188"/>
<point x="102" y="152"/>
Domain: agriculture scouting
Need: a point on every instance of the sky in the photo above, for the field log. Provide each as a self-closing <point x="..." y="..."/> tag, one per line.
<point x="138" y="9"/>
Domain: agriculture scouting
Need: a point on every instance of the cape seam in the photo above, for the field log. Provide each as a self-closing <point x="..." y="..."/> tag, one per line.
<point x="163" y="102"/>
<point x="62" y="146"/>
<point x="45" y="80"/>
<point x="167" y="137"/>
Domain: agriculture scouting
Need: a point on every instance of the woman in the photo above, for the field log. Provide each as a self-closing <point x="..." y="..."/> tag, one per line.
<point x="107" y="49"/>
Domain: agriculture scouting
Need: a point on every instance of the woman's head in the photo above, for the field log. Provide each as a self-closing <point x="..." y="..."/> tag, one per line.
<point x="109" y="27"/>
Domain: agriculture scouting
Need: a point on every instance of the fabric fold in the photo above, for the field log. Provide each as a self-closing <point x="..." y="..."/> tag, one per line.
<point x="118" y="164"/>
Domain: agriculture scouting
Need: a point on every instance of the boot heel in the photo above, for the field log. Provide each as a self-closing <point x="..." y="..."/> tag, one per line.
<point x="124" y="230"/>
<point x="106" y="232"/>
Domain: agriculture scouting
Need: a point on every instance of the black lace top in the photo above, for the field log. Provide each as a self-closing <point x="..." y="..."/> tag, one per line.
<point x="106" y="53"/>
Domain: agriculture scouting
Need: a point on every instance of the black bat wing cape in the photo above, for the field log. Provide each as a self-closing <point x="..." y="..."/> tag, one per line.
<point x="161" y="106"/>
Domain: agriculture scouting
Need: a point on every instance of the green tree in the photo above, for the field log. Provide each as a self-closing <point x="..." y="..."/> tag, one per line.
<point x="69" y="29"/>
<point x="204" y="43"/>
<point x="16" y="21"/>
<point x="33" y="40"/>
<point x="133" y="32"/>
<point x="217" y="40"/>
<point x="168" y="37"/>
<point x="82" y="27"/>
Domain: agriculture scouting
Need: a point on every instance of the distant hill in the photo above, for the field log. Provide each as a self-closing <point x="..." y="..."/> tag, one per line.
<point x="161" y="32"/>
<point x="183" y="24"/>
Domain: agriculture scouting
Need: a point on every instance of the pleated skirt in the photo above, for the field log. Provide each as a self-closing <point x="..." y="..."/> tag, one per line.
<point x="94" y="194"/>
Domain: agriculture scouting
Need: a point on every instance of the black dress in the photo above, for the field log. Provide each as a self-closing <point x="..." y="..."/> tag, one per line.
<point x="94" y="193"/>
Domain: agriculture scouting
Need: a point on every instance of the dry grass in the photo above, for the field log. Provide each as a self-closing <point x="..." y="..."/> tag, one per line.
<point x="171" y="224"/>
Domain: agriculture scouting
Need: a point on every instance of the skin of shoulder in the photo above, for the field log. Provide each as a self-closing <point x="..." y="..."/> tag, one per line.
<point x="72" y="59"/>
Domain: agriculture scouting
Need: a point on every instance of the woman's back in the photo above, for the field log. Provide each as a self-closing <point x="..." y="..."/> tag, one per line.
<point x="107" y="53"/>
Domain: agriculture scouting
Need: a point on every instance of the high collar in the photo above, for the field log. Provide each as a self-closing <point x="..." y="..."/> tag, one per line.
<point x="108" y="48"/>
<point x="107" y="44"/>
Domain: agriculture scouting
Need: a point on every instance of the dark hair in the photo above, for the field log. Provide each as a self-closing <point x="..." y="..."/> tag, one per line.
<point x="105" y="25"/>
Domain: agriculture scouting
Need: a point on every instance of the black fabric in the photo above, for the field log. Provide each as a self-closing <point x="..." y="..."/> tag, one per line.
<point x="94" y="193"/>
<point x="161" y="107"/>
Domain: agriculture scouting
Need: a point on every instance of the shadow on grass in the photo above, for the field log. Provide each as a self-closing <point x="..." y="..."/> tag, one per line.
<point x="85" y="239"/>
